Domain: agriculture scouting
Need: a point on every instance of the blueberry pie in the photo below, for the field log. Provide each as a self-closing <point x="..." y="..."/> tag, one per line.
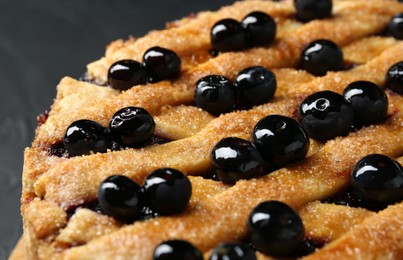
<point x="266" y="129"/>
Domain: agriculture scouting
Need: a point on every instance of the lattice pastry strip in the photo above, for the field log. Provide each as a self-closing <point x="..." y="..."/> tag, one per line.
<point x="222" y="218"/>
<point x="172" y="122"/>
<point x="367" y="19"/>
<point x="191" y="154"/>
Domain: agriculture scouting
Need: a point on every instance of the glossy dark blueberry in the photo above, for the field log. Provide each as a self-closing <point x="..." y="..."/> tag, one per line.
<point x="85" y="136"/>
<point x="275" y="228"/>
<point x="321" y="56"/>
<point x="161" y="64"/>
<point x="228" y="35"/>
<point x="215" y="94"/>
<point x="234" y="159"/>
<point x="308" y="10"/>
<point x="167" y="191"/>
<point x="260" y="28"/>
<point x="132" y="126"/>
<point x="369" y="101"/>
<point x="256" y="85"/>
<point x="325" y="115"/>
<point x="175" y="250"/>
<point x="395" y="26"/>
<point x="379" y="179"/>
<point x="119" y="197"/>
<point x="280" y="140"/>
<point x="233" y="251"/>
<point x="394" y="78"/>
<point x="125" y="74"/>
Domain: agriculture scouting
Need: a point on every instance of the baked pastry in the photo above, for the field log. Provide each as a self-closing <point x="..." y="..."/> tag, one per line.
<point x="60" y="190"/>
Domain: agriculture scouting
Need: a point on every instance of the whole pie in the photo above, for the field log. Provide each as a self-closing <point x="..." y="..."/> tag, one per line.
<point x="205" y="125"/>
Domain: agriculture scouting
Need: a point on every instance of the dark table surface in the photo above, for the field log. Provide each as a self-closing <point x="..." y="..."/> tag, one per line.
<point x="42" y="41"/>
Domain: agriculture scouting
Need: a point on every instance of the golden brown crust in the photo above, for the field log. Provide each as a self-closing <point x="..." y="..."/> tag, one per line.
<point x="378" y="237"/>
<point x="19" y="251"/>
<point x="185" y="38"/>
<point x="191" y="154"/>
<point x="322" y="174"/>
<point x="327" y="222"/>
<point x="54" y="187"/>
<point x="343" y="29"/>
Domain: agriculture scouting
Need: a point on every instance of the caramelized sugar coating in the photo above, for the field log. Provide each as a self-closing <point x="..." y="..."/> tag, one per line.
<point x="56" y="189"/>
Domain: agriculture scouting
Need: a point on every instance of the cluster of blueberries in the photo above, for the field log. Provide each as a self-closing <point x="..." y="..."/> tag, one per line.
<point x="158" y="64"/>
<point x="166" y="191"/>
<point x="129" y="127"/>
<point x="327" y="114"/>
<point x="275" y="142"/>
<point x="255" y="29"/>
<point x="252" y="86"/>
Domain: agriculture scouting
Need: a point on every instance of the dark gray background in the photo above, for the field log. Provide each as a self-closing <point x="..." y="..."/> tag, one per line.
<point x="42" y="41"/>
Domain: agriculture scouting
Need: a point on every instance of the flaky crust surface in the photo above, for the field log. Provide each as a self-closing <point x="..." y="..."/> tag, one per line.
<point x="57" y="226"/>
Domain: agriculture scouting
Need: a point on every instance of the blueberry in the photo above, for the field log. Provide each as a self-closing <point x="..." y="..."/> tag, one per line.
<point x="325" y="115"/>
<point x="378" y="179"/>
<point x="275" y="228"/>
<point x="308" y="10"/>
<point x="132" y="126"/>
<point x="161" y="64"/>
<point x="228" y="35"/>
<point x="119" y="197"/>
<point x="167" y="191"/>
<point x="233" y="251"/>
<point x="234" y="159"/>
<point x="260" y="28"/>
<point x="125" y="74"/>
<point x="176" y="249"/>
<point x="215" y="94"/>
<point x="395" y="26"/>
<point x="369" y="101"/>
<point x="85" y="136"/>
<point x="321" y="56"/>
<point x="394" y="78"/>
<point x="256" y="85"/>
<point x="281" y="140"/>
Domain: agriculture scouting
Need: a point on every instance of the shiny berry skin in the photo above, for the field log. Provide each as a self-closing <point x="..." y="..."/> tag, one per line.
<point x="275" y="228"/>
<point x="321" y="56"/>
<point x="228" y="35"/>
<point x="161" y="64"/>
<point x="85" y="136"/>
<point x="325" y="115"/>
<point x="131" y="126"/>
<point x="280" y="140"/>
<point x="233" y="251"/>
<point x="260" y="28"/>
<point x="125" y="74"/>
<point x="119" y="197"/>
<point x="234" y="159"/>
<point x="176" y="249"/>
<point x="256" y="85"/>
<point x="395" y="26"/>
<point x="394" y="78"/>
<point x="308" y="10"/>
<point x="215" y="94"/>
<point x="378" y="179"/>
<point x="167" y="191"/>
<point x="369" y="101"/>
